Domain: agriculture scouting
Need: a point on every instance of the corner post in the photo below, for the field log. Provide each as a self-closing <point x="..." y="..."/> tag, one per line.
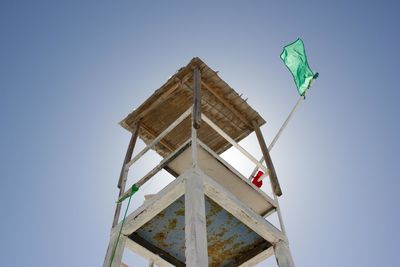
<point x="283" y="255"/>
<point x="272" y="174"/>
<point x="196" y="114"/>
<point x="195" y="212"/>
<point x="195" y="221"/>
<point x="115" y="256"/>
<point x="124" y="172"/>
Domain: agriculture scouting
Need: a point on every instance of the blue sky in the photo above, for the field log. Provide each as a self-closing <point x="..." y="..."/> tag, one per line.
<point x="70" y="70"/>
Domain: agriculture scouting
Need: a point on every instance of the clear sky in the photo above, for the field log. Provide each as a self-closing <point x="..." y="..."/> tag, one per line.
<point x="70" y="70"/>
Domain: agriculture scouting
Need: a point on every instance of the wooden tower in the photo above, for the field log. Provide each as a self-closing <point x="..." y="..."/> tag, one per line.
<point x="210" y="215"/>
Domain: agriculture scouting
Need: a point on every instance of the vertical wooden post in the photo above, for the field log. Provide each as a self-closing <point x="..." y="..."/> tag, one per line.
<point x="196" y="98"/>
<point x="195" y="221"/>
<point x="124" y="172"/>
<point x="196" y="114"/>
<point x="283" y="255"/>
<point x="195" y="210"/>
<point x="272" y="174"/>
<point x="119" y="251"/>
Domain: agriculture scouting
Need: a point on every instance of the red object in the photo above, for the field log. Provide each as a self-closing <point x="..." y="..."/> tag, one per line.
<point x="255" y="180"/>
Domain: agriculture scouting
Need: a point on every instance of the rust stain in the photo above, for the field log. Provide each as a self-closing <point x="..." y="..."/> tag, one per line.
<point x="172" y="224"/>
<point x="180" y="212"/>
<point x="161" y="238"/>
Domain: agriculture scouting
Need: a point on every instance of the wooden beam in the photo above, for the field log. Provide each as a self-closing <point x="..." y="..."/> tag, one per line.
<point x="249" y="254"/>
<point x="195" y="221"/>
<point x="124" y="172"/>
<point x="147" y="254"/>
<point x="156" y="250"/>
<point x="268" y="160"/>
<point x="238" y="174"/>
<point x="259" y="258"/>
<point x="153" y="206"/>
<point x="283" y="255"/>
<point x="156" y="169"/>
<point x="153" y="135"/>
<point x="242" y="212"/>
<point x="159" y="137"/>
<point x="196" y="98"/>
<point x="129" y="153"/>
<point x="119" y="251"/>
<point x="234" y="143"/>
<point x="227" y="104"/>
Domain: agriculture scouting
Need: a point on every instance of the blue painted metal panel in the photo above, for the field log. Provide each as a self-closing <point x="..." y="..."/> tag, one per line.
<point x="230" y="242"/>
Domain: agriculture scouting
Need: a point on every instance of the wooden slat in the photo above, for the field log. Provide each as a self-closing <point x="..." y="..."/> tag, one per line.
<point x="153" y="135"/>
<point x="162" y="98"/>
<point x="268" y="161"/>
<point x="230" y="140"/>
<point x="227" y="104"/>
<point x="158" y="138"/>
<point x="152" y="207"/>
<point x="156" y="169"/>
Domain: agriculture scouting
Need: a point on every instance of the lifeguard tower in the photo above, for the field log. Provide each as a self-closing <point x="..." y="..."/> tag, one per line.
<point x="210" y="214"/>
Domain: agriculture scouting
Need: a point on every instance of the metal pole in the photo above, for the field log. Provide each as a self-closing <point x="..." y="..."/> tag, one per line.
<point x="280" y="132"/>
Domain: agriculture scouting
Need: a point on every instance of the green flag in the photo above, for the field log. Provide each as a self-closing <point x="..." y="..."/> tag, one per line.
<point x="295" y="59"/>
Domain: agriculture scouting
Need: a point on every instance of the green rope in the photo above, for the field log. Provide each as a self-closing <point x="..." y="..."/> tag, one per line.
<point x="134" y="189"/>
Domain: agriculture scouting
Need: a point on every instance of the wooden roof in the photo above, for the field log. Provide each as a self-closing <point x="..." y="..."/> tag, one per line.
<point x="219" y="102"/>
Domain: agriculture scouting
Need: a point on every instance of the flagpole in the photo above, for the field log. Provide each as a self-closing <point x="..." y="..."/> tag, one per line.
<point x="299" y="101"/>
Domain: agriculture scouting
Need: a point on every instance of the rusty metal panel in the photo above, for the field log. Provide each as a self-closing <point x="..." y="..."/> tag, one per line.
<point x="230" y="242"/>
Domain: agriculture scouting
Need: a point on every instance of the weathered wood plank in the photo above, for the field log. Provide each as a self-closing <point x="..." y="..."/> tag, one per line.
<point x="153" y="135"/>
<point x="226" y="103"/>
<point x="158" y="138"/>
<point x="153" y="206"/>
<point x="283" y="255"/>
<point x="119" y="251"/>
<point x="147" y="254"/>
<point x="246" y="215"/>
<point x="156" y="250"/>
<point x="238" y="174"/>
<point x="160" y="166"/>
<point x="259" y="258"/>
<point x="195" y="221"/>
<point x="162" y="98"/>
<point x="234" y="143"/>
<point x="196" y="98"/>
<point x="268" y="160"/>
<point x="124" y="172"/>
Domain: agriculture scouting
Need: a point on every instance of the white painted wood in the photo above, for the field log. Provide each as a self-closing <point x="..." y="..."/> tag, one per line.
<point x="153" y="206"/>
<point x="232" y="204"/>
<point x="194" y="148"/>
<point x="195" y="221"/>
<point x="215" y="167"/>
<point x="156" y="169"/>
<point x="235" y="144"/>
<point x="161" y="136"/>
<point x="283" y="255"/>
<point x="119" y="250"/>
<point x="147" y="254"/>
<point x="259" y="258"/>
<point x="236" y="172"/>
